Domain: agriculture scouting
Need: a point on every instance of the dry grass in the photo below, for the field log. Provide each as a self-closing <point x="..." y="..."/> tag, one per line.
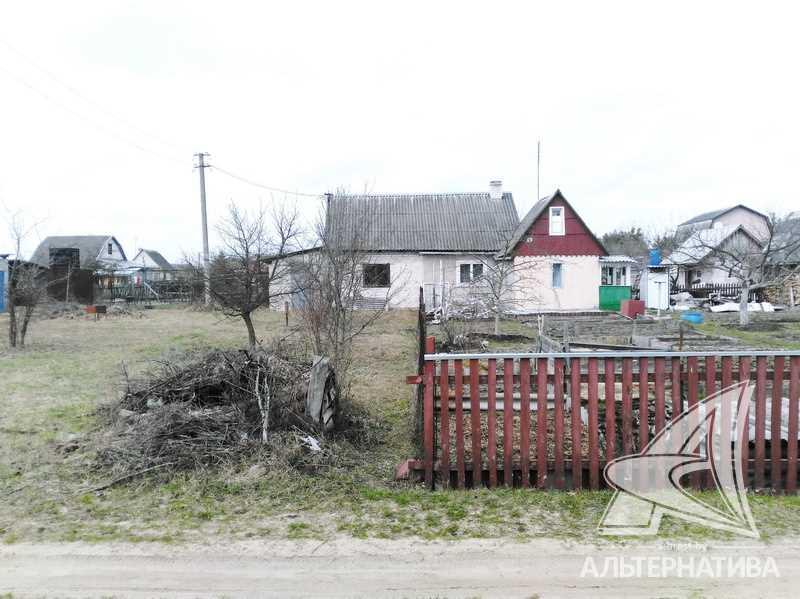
<point x="48" y="396"/>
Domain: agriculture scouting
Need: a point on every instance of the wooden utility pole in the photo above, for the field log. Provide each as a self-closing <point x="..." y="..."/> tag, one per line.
<point x="201" y="167"/>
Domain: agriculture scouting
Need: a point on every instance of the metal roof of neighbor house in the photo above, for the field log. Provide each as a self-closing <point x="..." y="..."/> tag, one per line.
<point x="706" y="216"/>
<point x="702" y="243"/>
<point x="618" y="258"/>
<point x="90" y="247"/>
<point x="434" y="222"/>
<point x="157" y="258"/>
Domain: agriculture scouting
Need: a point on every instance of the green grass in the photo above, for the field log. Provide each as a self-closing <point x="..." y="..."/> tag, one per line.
<point x="49" y="390"/>
<point x="767" y="331"/>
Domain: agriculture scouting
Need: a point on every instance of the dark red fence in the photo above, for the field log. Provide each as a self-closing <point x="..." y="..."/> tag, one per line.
<point x="554" y="420"/>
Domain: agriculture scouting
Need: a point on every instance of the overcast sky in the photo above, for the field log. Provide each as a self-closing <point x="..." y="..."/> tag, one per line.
<point x="648" y="114"/>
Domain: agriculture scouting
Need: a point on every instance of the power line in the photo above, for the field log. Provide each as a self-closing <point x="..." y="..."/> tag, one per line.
<point x="262" y="186"/>
<point x="84" y="118"/>
<point x="88" y="100"/>
<point x="105" y="129"/>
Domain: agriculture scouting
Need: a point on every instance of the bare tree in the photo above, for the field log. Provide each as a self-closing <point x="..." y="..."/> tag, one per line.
<point x="503" y="284"/>
<point x="251" y="262"/>
<point x="755" y="263"/>
<point x="328" y="282"/>
<point x="26" y="287"/>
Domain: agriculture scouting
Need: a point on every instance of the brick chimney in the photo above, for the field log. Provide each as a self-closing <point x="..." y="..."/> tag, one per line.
<point x="496" y="189"/>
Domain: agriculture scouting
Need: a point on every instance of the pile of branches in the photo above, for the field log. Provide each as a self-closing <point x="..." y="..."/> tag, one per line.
<point x="206" y="409"/>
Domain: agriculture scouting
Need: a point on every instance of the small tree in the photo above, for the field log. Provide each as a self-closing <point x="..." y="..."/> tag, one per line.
<point x="250" y="263"/>
<point x="328" y="283"/>
<point x="754" y="263"/>
<point x="26" y="287"/>
<point x="632" y="242"/>
<point x="504" y="283"/>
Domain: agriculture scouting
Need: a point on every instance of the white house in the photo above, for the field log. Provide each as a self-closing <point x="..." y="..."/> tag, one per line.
<point x="443" y="243"/>
<point x="756" y="223"/>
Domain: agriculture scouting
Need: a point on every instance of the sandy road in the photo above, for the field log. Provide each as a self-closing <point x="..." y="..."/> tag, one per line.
<point x="354" y="568"/>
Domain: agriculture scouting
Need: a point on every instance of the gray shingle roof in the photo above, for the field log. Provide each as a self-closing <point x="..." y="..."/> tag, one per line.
<point x="158" y="258"/>
<point x="446" y="222"/>
<point x="528" y="220"/>
<point x="90" y="247"/>
<point x="715" y="214"/>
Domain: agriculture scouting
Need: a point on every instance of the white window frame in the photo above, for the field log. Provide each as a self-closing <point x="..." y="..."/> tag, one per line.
<point x="472" y="264"/>
<point x="559" y="219"/>
<point x="560" y="276"/>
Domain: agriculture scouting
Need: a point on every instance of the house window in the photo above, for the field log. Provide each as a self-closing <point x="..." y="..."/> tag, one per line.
<point x="614" y="275"/>
<point x="556" y="220"/>
<point x="110" y="249"/>
<point x="376" y="275"/>
<point x="557" y="275"/>
<point x="469" y="273"/>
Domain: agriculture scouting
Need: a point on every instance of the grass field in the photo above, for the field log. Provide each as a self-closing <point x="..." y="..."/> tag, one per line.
<point x="49" y="392"/>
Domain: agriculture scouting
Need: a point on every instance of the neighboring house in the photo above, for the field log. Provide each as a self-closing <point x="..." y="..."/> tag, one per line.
<point x="688" y="263"/>
<point x="443" y="243"/>
<point x="727" y="218"/>
<point x="77" y="262"/>
<point x="150" y="265"/>
<point x="80" y="251"/>
<point x="694" y="262"/>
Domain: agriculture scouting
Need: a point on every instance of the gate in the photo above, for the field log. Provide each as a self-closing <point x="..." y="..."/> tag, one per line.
<point x="552" y="421"/>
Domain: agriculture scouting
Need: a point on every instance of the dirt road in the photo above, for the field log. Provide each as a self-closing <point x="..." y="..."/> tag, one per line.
<point x="354" y="568"/>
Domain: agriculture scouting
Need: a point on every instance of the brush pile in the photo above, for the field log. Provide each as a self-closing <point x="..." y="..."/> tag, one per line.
<point x="206" y="409"/>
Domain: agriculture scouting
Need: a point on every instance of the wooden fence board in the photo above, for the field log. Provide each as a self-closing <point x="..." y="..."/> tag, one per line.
<point x="610" y="394"/>
<point x="491" y="449"/>
<point x="459" y="396"/>
<point x="775" y="425"/>
<point x="541" y="422"/>
<point x="575" y="401"/>
<point x="658" y="389"/>
<point x="791" y="450"/>
<point x="444" y="424"/>
<point x="525" y="420"/>
<point x="427" y="419"/>
<point x="692" y="397"/>
<point x="761" y="419"/>
<point x="594" y="458"/>
<point x="627" y="406"/>
<point x="710" y="388"/>
<point x="744" y="376"/>
<point x="558" y="425"/>
<point x="475" y="422"/>
<point x="508" y="421"/>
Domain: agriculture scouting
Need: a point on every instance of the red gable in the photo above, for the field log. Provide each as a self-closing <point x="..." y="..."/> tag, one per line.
<point x="577" y="240"/>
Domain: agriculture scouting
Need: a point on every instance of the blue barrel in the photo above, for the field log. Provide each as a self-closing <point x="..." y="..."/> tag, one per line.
<point x="655" y="257"/>
<point x="693" y="317"/>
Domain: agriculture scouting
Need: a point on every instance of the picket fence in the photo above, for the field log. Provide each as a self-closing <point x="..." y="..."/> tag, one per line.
<point x="554" y="420"/>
